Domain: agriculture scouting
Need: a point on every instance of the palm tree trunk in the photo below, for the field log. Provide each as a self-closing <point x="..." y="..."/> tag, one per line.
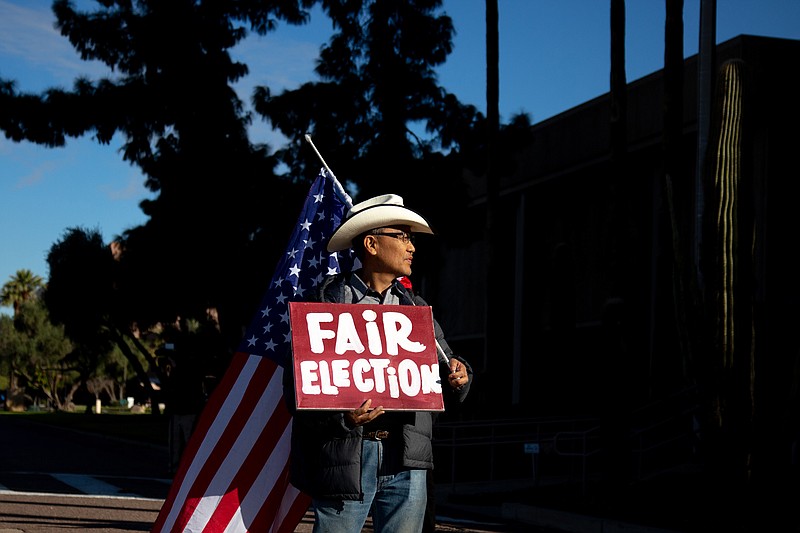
<point x="706" y="60"/>
<point x="678" y="189"/>
<point x="494" y="314"/>
<point x="615" y="419"/>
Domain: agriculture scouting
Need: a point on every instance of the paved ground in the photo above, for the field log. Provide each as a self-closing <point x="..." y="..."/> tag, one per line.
<point x="52" y="479"/>
<point x="48" y="513"/>
<point x="31" y="512"/>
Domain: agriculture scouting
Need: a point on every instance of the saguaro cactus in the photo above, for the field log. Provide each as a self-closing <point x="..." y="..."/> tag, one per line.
<point x="727" y="377"/>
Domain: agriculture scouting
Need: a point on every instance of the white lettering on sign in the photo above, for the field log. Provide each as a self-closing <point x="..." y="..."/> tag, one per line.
<point x="315" y="333"/>
<point x="368" y="375"/>
<point x="396" y="330"/>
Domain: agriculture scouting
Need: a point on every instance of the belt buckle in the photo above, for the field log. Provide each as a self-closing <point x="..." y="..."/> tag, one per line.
<point x="377" y="435"/>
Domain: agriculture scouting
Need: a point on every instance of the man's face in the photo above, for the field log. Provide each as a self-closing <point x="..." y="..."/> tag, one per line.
<point x="392" y="248"/>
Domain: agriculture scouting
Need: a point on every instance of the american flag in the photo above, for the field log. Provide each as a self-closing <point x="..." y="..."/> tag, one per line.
<point x="234" y="473"/>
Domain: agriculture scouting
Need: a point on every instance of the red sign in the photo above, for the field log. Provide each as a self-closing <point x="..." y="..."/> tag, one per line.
<point x="345" y="354"/>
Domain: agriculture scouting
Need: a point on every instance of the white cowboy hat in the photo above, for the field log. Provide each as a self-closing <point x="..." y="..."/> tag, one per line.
<point x="377" y="212"/>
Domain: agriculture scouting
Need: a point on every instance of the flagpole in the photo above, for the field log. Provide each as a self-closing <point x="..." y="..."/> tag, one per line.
<point x="338" y="186"/>
<point x="308" y="139"/>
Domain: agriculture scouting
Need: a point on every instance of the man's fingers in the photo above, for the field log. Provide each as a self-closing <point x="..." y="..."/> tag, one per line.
<point x="364" y="408"/>
<point x="375" y="413"/>
<point x="365" y="413"/>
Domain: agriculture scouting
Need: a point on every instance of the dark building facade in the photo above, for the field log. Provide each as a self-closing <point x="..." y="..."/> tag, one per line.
<point x="587" y="294"/>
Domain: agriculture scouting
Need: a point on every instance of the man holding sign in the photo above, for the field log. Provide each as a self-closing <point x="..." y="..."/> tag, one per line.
<point x="373" y="376"/>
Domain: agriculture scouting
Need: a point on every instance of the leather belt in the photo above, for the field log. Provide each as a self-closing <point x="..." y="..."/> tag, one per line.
<point x="375" y="435"/>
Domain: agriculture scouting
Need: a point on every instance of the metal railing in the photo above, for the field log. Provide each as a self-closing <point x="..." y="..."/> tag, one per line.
<point x="504" y="444"/>
<point x="563" y="449"/>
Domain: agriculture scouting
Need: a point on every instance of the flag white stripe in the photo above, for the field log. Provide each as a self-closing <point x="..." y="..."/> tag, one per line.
<point x="264" y="483"/>
<point x="273" y="393"/>
<point x="289" y="497"/>
<point x="232" y="401"/>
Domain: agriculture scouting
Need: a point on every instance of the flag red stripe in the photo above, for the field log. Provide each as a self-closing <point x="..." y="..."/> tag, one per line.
<point x="216" y="446"/>
<point x="297" y="504"/>
<point x="211" y="443"/>
<point x="175" y="500"/>
<point x="229" y="449"/>
<point x="260" y="456"/>
<point x="272" y="520"/>
<point x="271" y="500"/>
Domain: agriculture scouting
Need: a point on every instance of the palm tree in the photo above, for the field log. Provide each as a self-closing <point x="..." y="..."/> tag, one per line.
<point x="22" y="286"/>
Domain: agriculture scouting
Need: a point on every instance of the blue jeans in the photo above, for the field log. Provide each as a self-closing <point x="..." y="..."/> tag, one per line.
<point x="396" y="498"/>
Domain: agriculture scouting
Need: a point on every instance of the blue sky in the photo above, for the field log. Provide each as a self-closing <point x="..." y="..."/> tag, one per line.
<point x="554" y="55"/>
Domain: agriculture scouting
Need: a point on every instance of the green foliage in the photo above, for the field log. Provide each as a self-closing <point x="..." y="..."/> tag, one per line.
<point x="82" y="295"/>
<point x="33" y="350"/>
<point x="44" y="363"/>
<point x="10" y="346"/>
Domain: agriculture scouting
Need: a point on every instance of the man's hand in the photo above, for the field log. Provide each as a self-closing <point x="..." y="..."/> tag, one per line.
<point x="458" y="374"/>
<point x="362" y="415"/>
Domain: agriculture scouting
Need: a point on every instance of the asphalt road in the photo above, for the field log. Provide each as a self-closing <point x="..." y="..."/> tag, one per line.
<point x="54" y="479"/>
